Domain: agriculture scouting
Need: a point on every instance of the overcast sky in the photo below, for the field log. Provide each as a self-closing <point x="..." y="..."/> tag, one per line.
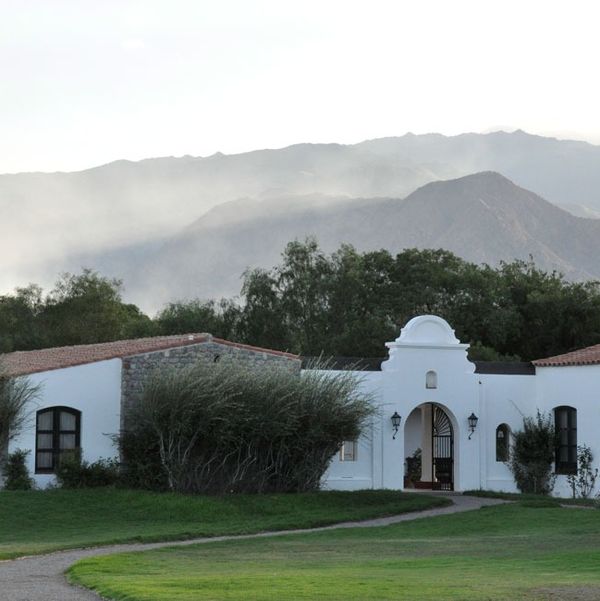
<point x="86" y="82"/>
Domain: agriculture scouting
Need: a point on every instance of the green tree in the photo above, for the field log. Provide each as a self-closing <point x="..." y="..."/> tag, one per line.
<point x="357" y="306"/>
<point x="303" y="280"/>
<point x="88" y="308"/>
<point x="184" y="317"/>
<point x="263" y="321"/>
<point x="19" y="320"/>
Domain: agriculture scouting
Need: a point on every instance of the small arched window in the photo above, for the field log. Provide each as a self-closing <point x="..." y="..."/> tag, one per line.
<point x="565" y="422"/>
<point x="502" y="443"/>
<point x="431" y="379"/>
<point x="58" y="429"/>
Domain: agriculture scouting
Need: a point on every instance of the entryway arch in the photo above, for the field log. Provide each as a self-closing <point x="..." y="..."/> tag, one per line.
<point x="432" y="428"/>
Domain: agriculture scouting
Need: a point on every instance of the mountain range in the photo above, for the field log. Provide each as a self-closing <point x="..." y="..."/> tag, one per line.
<point x="189" y="226"/>
<point x="484" y="218"/>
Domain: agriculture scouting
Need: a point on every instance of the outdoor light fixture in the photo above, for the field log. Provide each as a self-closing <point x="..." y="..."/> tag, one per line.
<point x="396" y="423"/>
<point x="472" y="423"/>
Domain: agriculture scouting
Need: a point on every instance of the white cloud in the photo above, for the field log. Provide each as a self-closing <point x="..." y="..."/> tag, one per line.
<point x="133" y="44"/>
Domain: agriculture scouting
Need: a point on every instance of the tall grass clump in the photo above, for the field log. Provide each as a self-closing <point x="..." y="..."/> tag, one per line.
<point x="228" y="428"/>
<point x="16" y="396"/>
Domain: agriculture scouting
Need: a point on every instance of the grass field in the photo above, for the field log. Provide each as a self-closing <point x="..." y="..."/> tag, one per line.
<point x="41" y="521"/>
<point x="509" y="552"/>
<point x="532" y="499"/>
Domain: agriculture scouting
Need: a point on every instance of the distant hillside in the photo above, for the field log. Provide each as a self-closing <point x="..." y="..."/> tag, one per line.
<point x="482" y="218"/>
<point x="106" y="216"/>
<point x="561" y="171"/>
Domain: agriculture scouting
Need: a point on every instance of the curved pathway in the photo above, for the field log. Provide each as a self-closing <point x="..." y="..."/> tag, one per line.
<point x="41" y="577"/>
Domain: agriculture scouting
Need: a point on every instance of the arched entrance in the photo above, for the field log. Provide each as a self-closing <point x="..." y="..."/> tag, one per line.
<point x="429" y="448"/>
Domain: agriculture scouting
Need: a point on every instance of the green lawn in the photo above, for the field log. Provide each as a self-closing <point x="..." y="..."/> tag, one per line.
<point x="502" y="553"/>
<point x="40" y="521"/>
<point x="532" y="499"/>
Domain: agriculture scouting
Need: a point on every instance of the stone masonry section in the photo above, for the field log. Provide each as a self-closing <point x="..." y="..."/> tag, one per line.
<point x="137" y="368"/>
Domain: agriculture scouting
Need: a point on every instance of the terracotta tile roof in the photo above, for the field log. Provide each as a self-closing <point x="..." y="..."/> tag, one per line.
<point x="584" y="356"/>
<point x="21" y="363"/>
<point x="257" y="349"/>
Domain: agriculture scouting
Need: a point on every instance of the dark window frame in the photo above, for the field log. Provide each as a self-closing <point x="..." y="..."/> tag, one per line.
<point x="568" y="467"/>
<point x="56" y="432"/>
<point x="503" y="448"/>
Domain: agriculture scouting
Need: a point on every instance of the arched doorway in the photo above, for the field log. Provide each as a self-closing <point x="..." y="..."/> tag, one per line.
<point x="429" y="448"/>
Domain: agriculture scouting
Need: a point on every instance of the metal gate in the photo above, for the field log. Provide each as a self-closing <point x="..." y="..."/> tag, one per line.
<point x="442" y="450"/>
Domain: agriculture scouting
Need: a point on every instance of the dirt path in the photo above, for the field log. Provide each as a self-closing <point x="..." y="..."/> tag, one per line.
<point x="41" y="577"/>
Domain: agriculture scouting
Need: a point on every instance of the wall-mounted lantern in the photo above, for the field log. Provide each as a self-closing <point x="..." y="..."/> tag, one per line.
<point x="396" y="419"/>
<point x="473" y="419"/>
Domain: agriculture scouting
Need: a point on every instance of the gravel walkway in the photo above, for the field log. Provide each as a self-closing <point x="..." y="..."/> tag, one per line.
<point x="41" y="577"/>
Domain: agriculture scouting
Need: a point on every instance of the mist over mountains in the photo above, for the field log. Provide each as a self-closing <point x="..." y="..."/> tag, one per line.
<point x="181" y="227"/>
<point x="484" y="218"/>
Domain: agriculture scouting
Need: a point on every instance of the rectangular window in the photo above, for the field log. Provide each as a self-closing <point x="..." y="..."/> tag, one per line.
<point x="348" y="451"/>
<point x="565" y="422"/>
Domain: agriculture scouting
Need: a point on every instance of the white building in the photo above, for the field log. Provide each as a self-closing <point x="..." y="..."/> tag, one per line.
<point x="427" y="381"/>
<point x="84" y="391"/>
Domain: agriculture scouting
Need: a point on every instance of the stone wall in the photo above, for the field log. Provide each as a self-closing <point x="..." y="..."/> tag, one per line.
<point x="137" y="368"/>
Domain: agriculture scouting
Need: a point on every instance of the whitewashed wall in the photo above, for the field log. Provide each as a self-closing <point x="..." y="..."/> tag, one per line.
<point x="506" y="399"/>
<point x="93" y="389"/>
<point x="579" y="387"/>
<point x="356" y="475"/>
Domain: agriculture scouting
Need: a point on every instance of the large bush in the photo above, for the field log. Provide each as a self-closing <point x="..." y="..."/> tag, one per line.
<point x="533" y="453"/>
<point x="226" y="428"/>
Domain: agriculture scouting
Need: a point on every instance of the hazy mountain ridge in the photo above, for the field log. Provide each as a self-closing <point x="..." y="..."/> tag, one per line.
<point x="115" y="216"/>
<point x="57" y="216"/>
<point x="483" y="218"/>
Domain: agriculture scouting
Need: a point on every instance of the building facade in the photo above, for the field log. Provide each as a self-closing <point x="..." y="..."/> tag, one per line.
<point x="460" y="414"/>
<point x="431" y="401"/>
<point x="85" y="392"/>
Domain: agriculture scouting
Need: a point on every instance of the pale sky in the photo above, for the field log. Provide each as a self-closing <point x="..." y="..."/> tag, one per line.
<point x="85" y="82"/>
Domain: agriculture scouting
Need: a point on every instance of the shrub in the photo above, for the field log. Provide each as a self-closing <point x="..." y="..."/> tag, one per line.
<point x="73" y="472"/>
<point x="226" y="428"/>
<point x="584" y="481"/>
<point x="142" y="467"/>
<point x="16" y="474"/>
<point x="533" y="453"/>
